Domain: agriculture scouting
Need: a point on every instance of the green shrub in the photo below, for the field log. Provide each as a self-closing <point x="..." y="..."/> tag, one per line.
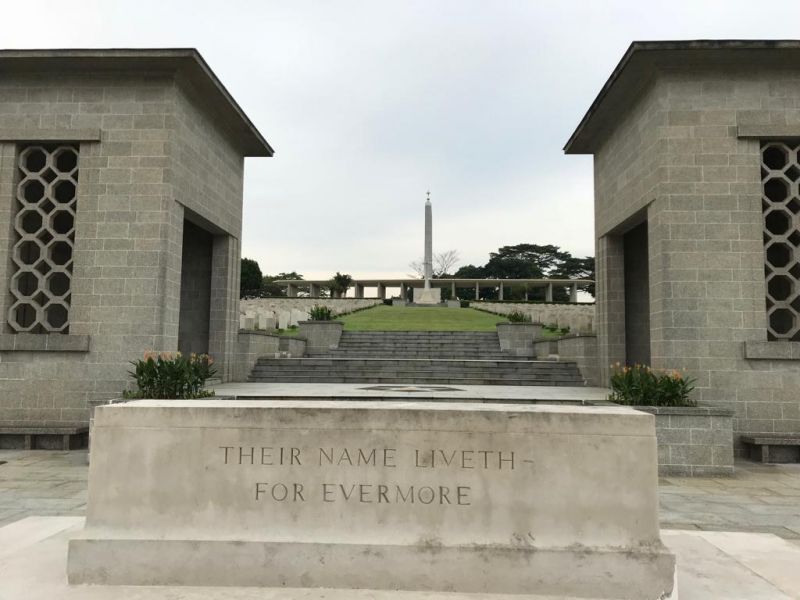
<point x="554" y="329"/>
<point x="166" y="375"/>
<point x="640" y="385"/>
<point x="516" y="316"/>
<point x="320" y="313"/>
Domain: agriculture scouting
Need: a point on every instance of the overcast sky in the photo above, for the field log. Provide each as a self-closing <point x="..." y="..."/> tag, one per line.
<point x="369" y="104"/>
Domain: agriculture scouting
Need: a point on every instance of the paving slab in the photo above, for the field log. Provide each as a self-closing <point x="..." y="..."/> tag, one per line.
<point x="497" y="393"/>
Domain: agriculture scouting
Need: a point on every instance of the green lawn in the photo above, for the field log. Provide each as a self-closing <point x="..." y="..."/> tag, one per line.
<point x="419" y="318"/>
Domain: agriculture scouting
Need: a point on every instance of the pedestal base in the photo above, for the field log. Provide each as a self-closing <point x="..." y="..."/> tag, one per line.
<point x="427" y="296"/>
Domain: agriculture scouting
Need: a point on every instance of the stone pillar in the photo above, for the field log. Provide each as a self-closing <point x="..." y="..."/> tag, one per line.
<point x="291" y="290"/>
<point x="452" y="290"/>
<point x="224" y="314"/>
<point x="381" y="291"/>
<point x="548" y="294"/>
<point x="403" y="291"/>
<point x="359" y="290"/>
<point x="573" y="293"/>
<point x="501" y="290"/>
<point x="610" y="303"/>
<point x="313" y="290"/>
<point x="526" y="292"/>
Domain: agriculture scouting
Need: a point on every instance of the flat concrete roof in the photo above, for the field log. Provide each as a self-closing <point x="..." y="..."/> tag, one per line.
<point x="185" y="61"/>
<point x="640" y="63"/>
<point x="464" y="282"/>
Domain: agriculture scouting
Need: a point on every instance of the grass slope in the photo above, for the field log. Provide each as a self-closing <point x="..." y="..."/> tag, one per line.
<point x="419" y="318"/>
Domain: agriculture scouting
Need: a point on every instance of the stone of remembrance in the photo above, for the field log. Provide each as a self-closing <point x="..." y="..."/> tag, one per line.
<point x="388" y="495"/>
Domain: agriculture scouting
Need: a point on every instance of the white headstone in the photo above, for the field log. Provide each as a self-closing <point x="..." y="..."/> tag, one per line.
<point x="283" y="319"/>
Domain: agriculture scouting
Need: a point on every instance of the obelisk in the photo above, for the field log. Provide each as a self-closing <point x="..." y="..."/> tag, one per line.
<point x="428" y="264"/>
<point x="428" y="294"/>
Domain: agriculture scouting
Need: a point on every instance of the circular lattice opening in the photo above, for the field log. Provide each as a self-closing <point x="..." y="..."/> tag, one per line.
<point x="34" y="159"/>
<point x="56" y="315"/>
<point x="775" y="156"/>
<point x="66" y="159"/>
<point x="60" y="253"/>
<point x="778" y="222"/>
<point x="776" y="189"/>
<point x="32" y="190"/>
<point x="28" y="252"/>
<point x="781" y="321"/>
<point x="30" y="221"/>
<point x="780" y="287"/>
<point x="779" y="255"/>
<point x="24" y="316"/>
<point x="61" y="222"/>
<point x="64" y="191"/>
<point x="25" y="283"/>
<point x="58" y="283"/>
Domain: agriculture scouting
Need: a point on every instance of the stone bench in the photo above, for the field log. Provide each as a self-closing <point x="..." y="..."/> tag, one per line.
<point x="775" y="447"/>
<point x="44" y="437"/>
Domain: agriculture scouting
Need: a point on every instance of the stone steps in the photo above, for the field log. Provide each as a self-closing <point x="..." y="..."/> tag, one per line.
<point x="415" y="344"/>
<point x="418" y="380"/>
<point x="442" y="358"/>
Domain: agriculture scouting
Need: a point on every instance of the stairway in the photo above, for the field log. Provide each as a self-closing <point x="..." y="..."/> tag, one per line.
<point x="437" y="358"/>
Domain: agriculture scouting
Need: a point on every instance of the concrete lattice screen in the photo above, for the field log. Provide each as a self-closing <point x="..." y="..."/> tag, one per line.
<point x="44" y="229"/>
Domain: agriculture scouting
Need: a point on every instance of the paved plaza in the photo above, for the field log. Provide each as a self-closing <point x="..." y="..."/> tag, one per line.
<point x="758" y="498"/>
<point x="696" y="512"/>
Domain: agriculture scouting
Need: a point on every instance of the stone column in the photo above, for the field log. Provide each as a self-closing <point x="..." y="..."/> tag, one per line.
<point x="313" y="290"/>
<point x="381" y="291"/>
<point x="477" y="291"/>
<point x="573" y="293"/>
<point x="452" y="290"/>
<point x="291" y="290"/>
<point x="548" y="294"/>
<point x="610" y="303"/>
<point x="526" y="292"/>
<point x="501" y="290"/>
<point x="403" y="291"/>
<point x="359" y="290"/>
<point x="224" y="314"/>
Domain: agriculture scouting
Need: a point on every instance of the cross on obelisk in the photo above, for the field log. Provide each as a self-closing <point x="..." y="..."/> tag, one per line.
<point x="428" y="264"/>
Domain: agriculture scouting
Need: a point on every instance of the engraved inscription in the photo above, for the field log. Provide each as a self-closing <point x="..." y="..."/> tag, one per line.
<point x="374" y="459"/>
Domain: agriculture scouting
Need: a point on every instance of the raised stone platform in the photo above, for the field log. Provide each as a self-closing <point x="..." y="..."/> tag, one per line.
<point x="711" y="565"/>
<point x="500" y="394"/>
<point x="393" y="495"/>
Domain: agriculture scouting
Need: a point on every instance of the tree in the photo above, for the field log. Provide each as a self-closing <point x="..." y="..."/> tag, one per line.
<point x="269" y="289"/>
<point x="250" y="283"/>
<point x="339" y="284"/>
<point x="577" y="268"/>
<point x="532" y="261"/>
<point x="442" y="263"/>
